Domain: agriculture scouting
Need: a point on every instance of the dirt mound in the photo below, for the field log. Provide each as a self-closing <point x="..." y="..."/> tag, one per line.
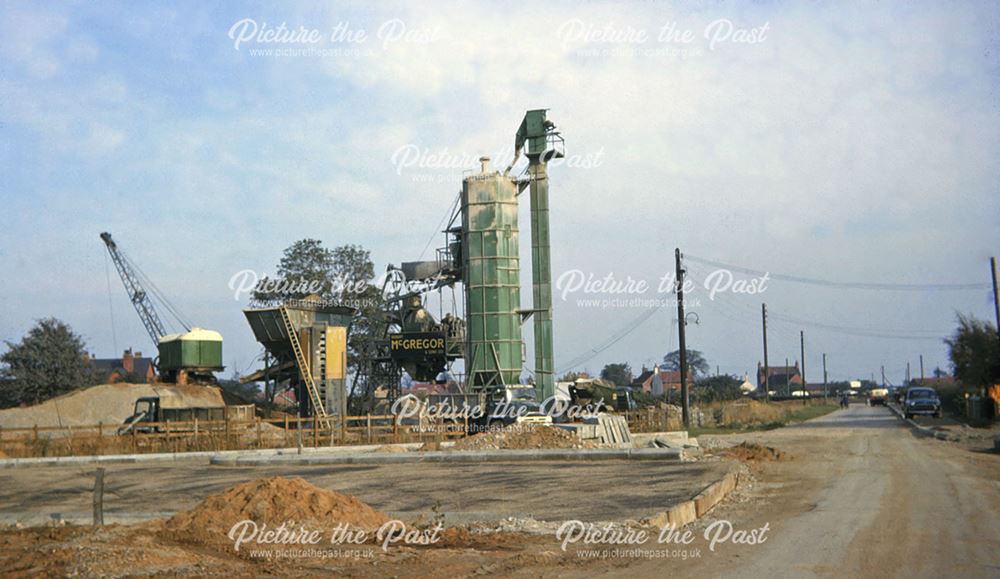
<point x="272" y="501"/>
<point x="522" y="436"/>
<point x="108" y="404"/>
<point x="757" y="452"/>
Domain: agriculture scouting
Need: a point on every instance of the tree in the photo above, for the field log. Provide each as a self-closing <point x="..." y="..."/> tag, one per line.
<point x="717" y="388"/>
<point x="50" y="360"/>
<point x="975" y="352"/>
<point x="619" y="374"/>
<point x="306" y="267"/>
<point x="696" y="362"/>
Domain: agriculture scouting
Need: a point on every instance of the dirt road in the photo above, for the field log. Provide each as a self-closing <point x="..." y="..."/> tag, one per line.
<point x="863" y="497"/>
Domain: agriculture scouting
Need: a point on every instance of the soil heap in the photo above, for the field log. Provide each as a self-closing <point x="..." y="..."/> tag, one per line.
<point x="272" y="501"/>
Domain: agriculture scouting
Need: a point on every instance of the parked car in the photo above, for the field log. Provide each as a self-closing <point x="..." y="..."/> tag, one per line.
<point x="923" y="401"/>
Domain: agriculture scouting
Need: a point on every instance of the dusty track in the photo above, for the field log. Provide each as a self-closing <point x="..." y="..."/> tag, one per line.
<point x="864" y="497"/>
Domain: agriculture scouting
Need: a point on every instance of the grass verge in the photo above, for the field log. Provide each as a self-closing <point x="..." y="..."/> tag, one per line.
<point x="793" y="415"/>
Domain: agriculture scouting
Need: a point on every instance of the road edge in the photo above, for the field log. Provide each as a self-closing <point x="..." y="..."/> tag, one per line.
<point x="689" y="511"/>
<point x="923" y="430"/>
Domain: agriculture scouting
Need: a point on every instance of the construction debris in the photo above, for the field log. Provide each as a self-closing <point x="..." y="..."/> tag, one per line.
<point x="523" y="436"/>
<point x="756" y="452"/>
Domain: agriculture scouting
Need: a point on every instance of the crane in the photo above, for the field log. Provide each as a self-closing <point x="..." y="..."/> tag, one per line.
<point x="136" y="292"/>
<point x="194" y="354"/>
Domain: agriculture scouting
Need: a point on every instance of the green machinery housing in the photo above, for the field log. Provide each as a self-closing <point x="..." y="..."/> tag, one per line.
<point x="196" y="350"/>
<point x="490" y="262"/>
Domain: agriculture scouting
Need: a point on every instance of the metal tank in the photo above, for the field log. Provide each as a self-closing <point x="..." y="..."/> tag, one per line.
<point x="493" y="354"/>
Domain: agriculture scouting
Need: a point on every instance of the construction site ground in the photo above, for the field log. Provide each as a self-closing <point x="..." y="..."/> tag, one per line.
<point x="592" y="491"/>
<point x="852" y="494"/>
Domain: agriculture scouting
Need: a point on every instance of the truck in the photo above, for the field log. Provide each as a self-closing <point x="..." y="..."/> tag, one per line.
<point x="878" y="396"/>
<point x="602" y="395"/>
<point x="155" y="413"/>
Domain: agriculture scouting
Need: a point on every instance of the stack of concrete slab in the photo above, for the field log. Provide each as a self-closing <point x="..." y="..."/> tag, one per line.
<point x="607" y="429"/>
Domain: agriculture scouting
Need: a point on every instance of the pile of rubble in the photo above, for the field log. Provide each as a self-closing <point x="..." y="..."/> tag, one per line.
<point x="756" y="452"/>
<point x="272" y="502"/>
<point x="521" y="437"/>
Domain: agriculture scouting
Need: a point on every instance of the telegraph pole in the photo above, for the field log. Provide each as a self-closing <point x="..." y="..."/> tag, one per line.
<point x="883" y="376"/>
<point x="825" y="387"/>
<point x="921" y="369"/>
<point x="802" y="354"/>
<point x="996" y="299"/>
<point x="681" y="322"/>
<point x="767" y="380"/>
<point x="907" y="372"/>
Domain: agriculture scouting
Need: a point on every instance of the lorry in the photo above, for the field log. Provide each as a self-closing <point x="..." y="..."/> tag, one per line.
<point x="878" y="396"/>
<point x="156" y="413"/>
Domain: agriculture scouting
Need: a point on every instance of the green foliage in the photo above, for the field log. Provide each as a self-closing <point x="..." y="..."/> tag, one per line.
<point x="50" y="360"/>
<point x="974" y="350"/>
<point x="619" y="374"/>
<point x="717" y="388"/>
<point x="696" y="362"/>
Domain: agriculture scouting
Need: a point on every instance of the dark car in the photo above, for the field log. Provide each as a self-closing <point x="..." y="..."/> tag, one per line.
<point x="922" y="401"/>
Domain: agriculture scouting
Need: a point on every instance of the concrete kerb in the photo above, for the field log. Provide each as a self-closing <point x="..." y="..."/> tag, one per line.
<point x="178" y="456"/>
<point x="922" y="430"/>
<point x="687" y="512"/>
<point x="452" y="456"/>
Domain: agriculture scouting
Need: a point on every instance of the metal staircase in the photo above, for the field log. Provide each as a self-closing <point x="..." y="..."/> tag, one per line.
<point x="305" y="370"/>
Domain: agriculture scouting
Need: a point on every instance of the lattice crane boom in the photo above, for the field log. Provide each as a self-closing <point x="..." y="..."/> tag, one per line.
<point x="136" y="292"/>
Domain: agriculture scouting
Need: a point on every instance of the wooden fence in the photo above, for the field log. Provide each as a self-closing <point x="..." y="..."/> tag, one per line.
<point x="216" y="435"/>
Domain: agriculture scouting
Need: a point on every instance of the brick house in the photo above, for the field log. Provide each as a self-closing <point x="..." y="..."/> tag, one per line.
<point x="780" y="377"/>
<point x="659" y="381"/>
<point x="129" y="366"/>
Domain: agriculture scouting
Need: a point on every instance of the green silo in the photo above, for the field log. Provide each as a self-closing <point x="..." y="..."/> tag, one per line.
<point x="492" y="279"/>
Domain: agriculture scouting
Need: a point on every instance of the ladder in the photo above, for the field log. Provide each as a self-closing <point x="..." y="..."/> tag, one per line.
<point x="319" y="409"/>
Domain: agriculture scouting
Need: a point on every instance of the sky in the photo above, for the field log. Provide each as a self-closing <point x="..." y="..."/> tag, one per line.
<point x="826" y="140"/>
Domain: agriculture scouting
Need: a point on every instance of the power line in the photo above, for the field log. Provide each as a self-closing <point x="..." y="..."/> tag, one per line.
<point x="864" y="332"/>
<point x="614" y="339"/>
<point x="844" y="284"/>
<point x="750" y="317"/>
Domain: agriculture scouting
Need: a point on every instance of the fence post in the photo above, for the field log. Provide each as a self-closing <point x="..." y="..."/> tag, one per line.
<point x="368" y="428"/>
<point x="315" y="432"/>
<point x="260" y="442"/>
<point x="99" y="497"/>
<point x="343" y="429"/>
<point x="226" y="418"/>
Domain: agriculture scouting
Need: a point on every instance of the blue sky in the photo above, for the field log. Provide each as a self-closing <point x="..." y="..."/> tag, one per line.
<point x="849" y="142"/>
